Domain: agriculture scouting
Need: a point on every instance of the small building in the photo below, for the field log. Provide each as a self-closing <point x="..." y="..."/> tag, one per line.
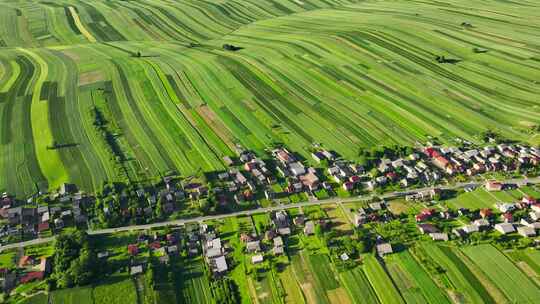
<point x="256" y="259"/>
<point x="278" y="242"/>
<point x="278" y="250"/>
<point x="309" y="228"/>
<point x="438" y="236"/>
<point x="253" y="246"/>
<point x="136" y="270"/>
<point x="526" y="231"/>
<point x="468" y="229"/>
<point x="493" y="186"/>
<point x="427" y="229"/>
<point x="220" y="264"/>
<point x="505" y="228"/>
<point x="384" y="248"/>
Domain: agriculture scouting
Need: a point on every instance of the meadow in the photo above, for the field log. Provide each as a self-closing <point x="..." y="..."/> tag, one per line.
<point x="515" y="285"/>
<point x="343" y="73"/>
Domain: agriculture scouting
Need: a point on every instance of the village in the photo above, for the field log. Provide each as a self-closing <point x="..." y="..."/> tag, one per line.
<point x="252" y="182"/>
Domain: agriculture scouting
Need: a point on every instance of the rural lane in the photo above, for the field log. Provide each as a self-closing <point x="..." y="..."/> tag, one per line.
<point x="517" y="181"/>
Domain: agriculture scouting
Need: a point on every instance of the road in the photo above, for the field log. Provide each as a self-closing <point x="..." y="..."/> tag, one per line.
<point x="334" y="200"/>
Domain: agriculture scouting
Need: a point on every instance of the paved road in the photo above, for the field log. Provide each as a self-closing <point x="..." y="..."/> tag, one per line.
<point x="535" y="180"/>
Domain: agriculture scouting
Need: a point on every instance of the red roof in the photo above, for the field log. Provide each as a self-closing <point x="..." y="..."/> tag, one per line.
<point x="421" y="217"/>
<point x="429" y="151"/>
<point x="155" y="245"/>
<point x="43" y="226"/>
<point x="24" y="260"/>
<point x="354" y="178"/>
<point x="31" y="276"/>
<point x="133" y="249"/>
<point x="485" y="212"/>
<point x="443" y="161"/>
<point x="428" y="211"/>
<point x="529" y="200"/>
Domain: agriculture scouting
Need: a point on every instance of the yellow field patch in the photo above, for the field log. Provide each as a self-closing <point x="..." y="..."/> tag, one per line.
<point x="80" y="26"/>
<point x="91" y="77"/>
<point x="338" y="296"/>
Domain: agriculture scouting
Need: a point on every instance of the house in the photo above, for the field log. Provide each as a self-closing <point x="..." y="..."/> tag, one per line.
<point x="376" y="206"/>
<point x="284" y="231"/>
<point x="493" y="186"/>
<point x="219" y="264"/>
<point x="485" y="213"/>
<point x="427" y="229"/>
<point x="309" y="228"/>
<point x="535" y="215"/>
<point x="32" y="276"/>
<point x="297" y="168"/>
<point x="438" y="236"/>
<point x="278" y="250"/>
<point x="468" y="229"/>
<point x="507" y="217"/>
<point x="481" y="223"/>
<point x="526" y="231"/>
<point x="133" y="249"/>
<point x="505" y="228"/>
<point x="384" y="248"/>
<point x="348" y="186"/>
<point x="253" y="246"/>
<point x="344" y="257"/>
<point x="136" y="269"/>
<point x="299" y="220"/>
<point x="310" y="180"/>
<point x="505" y="207"/>
<point x="278" y="242"/>
<point x="359" y="219"/>
<point x="256" y="259"/>
<point x="529" y="200"/>
<point x="535" y="207"/>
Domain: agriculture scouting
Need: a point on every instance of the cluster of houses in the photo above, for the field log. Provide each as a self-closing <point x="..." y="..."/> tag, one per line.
<point x="527" y="226"/>
<point x="503" y="157"/>
<point x="162" y="245"/>
<point x="29" y="268"/>
<point x="31" y="220"/>
<point x="214" y="252"/>
<point x="299" y="177"/>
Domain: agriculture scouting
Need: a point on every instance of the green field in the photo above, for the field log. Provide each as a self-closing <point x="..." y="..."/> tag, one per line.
<point x="115" y="290"/>
<point x="358" y="286"/>
<point x="515" y="285"/>
<point x="415" y="283"/>
<point x="380" y="281"/>
<point x="465" y="285"/>
<point x="344" y="73"/>
<point x="195" y="285"/>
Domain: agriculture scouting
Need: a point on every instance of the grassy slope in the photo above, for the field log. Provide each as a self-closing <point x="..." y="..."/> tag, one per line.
<point x="515" y="285"/>
<point x="335" y="72"/>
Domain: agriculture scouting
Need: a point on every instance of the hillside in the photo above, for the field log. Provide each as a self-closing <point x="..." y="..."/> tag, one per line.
<point x="94" y="91"/>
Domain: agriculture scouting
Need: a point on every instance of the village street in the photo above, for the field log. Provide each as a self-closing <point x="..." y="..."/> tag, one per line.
<point x="389" y="195"/>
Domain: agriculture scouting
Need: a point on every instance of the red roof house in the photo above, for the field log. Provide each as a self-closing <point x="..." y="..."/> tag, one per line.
<point x="133" y="249"/>
<point x="32" y="276"/>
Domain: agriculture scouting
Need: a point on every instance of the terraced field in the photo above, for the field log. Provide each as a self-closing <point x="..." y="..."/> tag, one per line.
<point x="344" y="73"/>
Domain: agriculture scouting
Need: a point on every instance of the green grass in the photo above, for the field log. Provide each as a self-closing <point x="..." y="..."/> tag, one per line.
<point x="464" y="282"/>
<point x="380" y="281"/>
<point x="195" y="287"/>
<point x="116" y="289"/>
<point x="81" y="295"/>
<point x="358" y="286"/>
<point x="37" y="299"/>
<point x="504" y="274"/>
<point x="414" y="282"/>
